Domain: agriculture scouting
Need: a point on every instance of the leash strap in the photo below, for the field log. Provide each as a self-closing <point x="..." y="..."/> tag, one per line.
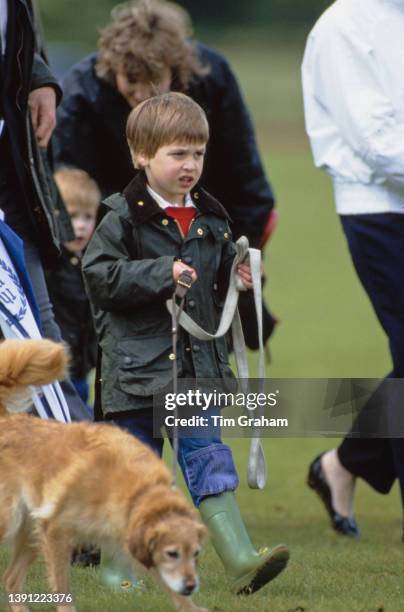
<point x="257" y="472"/>
<point x="184" y="282"/>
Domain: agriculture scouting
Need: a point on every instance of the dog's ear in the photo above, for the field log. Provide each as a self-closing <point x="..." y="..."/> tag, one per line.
<point x="142" y="544"/>
<point x="139" y="549"/>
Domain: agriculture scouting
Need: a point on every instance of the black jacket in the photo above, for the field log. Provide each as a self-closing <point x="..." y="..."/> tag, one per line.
<point x="127" y="269"/>
<point x="73" y="313"/>
<point x="23" y="71"/>
<point x="91" y="135"/>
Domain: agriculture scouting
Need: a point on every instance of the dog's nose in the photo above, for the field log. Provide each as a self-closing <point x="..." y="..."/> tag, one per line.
<point x="189" y="587"/>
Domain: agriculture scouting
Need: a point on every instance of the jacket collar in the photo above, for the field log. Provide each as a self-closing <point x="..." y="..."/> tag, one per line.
<point x="142" y="206"/>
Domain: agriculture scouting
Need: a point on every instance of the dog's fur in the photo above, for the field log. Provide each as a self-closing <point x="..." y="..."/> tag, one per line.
<point x="65" y="484"/>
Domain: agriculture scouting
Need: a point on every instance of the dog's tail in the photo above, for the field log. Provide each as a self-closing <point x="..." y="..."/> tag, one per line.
<point x="25" y="363"/>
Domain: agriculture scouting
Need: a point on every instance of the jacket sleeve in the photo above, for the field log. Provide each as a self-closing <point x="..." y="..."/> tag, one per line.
<point x="234" y="173"/>
<point x="75" y="141"/>
<point x="116" y="282"/>
<point x="42" y="77"/>
<point x="345" y="95"/>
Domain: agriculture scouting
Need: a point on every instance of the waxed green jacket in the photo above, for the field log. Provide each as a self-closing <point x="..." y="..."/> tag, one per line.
<point x="127" y="270"/>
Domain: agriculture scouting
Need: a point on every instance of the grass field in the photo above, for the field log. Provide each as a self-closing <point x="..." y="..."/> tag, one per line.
<point x="327" y="330"/>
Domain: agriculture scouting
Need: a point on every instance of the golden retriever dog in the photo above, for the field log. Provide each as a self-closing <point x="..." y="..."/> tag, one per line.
<point x="62" y="485"/>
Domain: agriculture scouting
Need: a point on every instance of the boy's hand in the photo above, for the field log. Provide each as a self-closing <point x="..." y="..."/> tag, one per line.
<point x="179" y="268"/>
<point x="244" y="272"/>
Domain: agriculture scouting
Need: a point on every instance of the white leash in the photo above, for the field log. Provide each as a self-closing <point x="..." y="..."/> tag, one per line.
<point x="257" y="472"/>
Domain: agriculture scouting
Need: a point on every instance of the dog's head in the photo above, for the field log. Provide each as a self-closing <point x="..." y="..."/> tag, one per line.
<point x="171" y="544"/>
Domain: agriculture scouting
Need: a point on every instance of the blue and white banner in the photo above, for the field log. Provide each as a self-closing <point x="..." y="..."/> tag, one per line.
<point x="19" y="317"/>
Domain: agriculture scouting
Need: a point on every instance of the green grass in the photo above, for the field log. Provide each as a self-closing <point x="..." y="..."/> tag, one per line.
<point x="327" y="329"/>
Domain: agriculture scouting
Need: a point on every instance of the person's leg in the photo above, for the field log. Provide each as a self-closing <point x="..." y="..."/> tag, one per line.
<point x="141" y="426"/>
<point x="117" y="572"/>
<point x="78" y="410"/>
<point x="211" y="478"/>
<point x="376" y="244"/>
<point x="367" y="457"/>
<point x="362" y="455"/>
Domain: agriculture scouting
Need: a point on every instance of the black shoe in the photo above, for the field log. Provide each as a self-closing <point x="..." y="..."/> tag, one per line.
<point x="86" y="557"/>
<point x="316" y="481"/>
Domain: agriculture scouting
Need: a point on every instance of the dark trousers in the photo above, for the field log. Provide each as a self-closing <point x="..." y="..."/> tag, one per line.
<point x="376" y="244"/>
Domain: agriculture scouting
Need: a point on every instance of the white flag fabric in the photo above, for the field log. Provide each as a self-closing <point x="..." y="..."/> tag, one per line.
<point x="17" y="318"/>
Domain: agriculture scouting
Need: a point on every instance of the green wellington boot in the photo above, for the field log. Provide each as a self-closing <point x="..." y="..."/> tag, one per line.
<point x="247" y="569"/>
<point x="117" y="573"/>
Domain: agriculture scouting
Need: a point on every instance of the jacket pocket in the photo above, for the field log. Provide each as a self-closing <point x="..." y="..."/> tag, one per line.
<point x="145" y="364"/>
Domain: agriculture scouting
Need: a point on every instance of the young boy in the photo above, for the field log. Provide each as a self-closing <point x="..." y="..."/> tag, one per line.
<point x="65" y="283"/>
<point x="161" y="225"/>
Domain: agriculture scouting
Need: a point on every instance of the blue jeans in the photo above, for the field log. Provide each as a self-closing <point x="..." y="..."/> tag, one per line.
<point x="206" y="463"/>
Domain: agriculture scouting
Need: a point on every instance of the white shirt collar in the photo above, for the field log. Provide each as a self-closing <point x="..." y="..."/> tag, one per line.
<point x="165" y="204"/>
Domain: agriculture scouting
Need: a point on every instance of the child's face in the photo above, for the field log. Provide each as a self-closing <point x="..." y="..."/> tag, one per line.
<point x="174" y="170"/>
<point x="83" y="222"/>
<point x="135" y="93"/>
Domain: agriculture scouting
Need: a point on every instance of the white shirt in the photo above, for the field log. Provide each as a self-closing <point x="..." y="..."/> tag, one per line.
<point x="165" y="204"/>
<point x="353" y="86"/>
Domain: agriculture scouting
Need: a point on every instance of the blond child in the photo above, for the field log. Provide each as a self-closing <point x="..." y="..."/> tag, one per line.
<point x="65" y="283"/>
<point x="162" y="224"/>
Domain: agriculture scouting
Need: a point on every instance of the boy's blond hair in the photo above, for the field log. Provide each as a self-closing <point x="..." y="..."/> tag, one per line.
<point x="163" y="120"/>
<point x="78" y="189"/>
<point x="144" y="38"/>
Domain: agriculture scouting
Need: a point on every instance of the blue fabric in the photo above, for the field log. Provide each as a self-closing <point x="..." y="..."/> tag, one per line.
<point x="82" y="388"/>
<point x="15" y="248"/>
<point x="206" y="463"/>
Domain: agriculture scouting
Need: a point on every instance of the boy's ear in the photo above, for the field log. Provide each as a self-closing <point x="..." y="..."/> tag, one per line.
<point x="140" y="160"/>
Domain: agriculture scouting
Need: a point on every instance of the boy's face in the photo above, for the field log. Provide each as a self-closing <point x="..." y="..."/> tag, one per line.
<point x="83" y="222"/>
<point x="174" y="170"/>
<point x="135" y="93"/>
